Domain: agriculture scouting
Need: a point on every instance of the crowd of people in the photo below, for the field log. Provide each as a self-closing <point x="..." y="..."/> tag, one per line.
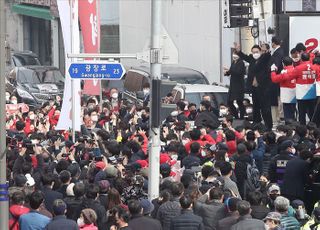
<point x="214" y="175"/>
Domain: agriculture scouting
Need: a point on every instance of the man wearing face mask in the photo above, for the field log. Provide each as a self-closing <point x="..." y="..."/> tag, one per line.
<point x="94" y="120"/>
<point x="278" y="164"/>
<point x="296" y="58"/>
<point x="236" y="72"/>
<point x="258" y="83"/>
<point x="114" y="99"/>
<point x="13" y="100"/>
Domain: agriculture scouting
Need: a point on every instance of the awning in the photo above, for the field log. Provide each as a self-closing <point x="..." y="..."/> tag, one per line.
<point x="33" y="11"/>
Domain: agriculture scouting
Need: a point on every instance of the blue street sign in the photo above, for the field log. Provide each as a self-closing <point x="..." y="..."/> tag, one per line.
<point x="103" y="71"/>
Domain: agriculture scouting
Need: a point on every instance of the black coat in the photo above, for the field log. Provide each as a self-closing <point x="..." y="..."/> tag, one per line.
<point x="278" y="166"/>
<point x="100" y="211"/>
<point x="276" y="59"/>
<point x="167" y="211"/>
<point x="50" y="196"/>
<point x="237" y="71"/>
<point x="62" y="223"/>
<point x="206" y="117"/>
<point x="187" y="220"/>
<point x="258" y="68"/>
<point x="74" y="207"/>
<point x="295" y="178"/>
<point x="139" y="222"/>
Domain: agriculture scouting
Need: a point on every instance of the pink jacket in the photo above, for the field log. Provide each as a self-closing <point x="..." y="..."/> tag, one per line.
<point x="89" y="227"/>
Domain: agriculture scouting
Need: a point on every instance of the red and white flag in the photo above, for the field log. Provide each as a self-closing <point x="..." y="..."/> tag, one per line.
<point x="68" y="11"/>
<point x="90" y="27"/>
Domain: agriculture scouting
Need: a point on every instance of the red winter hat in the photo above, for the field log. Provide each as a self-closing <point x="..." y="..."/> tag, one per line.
<point x="143" y="163"/>
<point x="100" y="165"/>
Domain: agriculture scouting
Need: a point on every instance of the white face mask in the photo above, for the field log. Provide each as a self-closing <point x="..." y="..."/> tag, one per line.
<point x="94" y="118"/>
<point x="293" y="151"/>
<point x="31" y="117"/>
<point x="139" y="114"/>
<point x="256" y="55"/>
<point x="146" y="91"/>
<point x="115" y="95"/>
<point x="80" y="222"/>
<point x="235" y="57"/>
<point x="7" y="97"/>
<point x="174" y="157"/>
<point x="203" y="153"/>
<point x="249" y="110"/>
<point x="223" y="112"/>
<point x="226" y="158"/>
<point x="14" y="102"/>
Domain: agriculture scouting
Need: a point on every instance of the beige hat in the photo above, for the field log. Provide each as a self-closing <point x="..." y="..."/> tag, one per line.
<point x="89" y="216"/>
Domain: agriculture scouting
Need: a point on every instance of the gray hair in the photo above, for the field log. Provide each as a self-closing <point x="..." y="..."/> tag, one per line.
<point x="281" y="204"/>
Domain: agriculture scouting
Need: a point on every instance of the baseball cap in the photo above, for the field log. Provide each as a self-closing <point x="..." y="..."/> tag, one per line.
<point x="274" y="188"/>
<point x="100" y="165"/>
<point x="273" y="216"/>
<point x="296" y="203"/>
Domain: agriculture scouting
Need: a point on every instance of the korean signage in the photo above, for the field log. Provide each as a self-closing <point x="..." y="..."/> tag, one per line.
<point x="310" y="36"/>
<point x="95" y="70"/>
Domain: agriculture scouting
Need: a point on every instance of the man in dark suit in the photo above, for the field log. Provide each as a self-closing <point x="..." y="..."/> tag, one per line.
<point x="49" y="194"/>
<point x="258" y="83"/>
<point x="276" y="60"/>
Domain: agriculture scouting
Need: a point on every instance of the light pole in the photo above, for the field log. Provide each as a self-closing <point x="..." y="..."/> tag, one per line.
<point x="4" y="204"/>
<point x="155" y="69"/>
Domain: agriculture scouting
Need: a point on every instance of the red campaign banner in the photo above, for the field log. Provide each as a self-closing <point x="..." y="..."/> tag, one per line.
<point x="90" y="28"/>
<point x="12" y="108"/>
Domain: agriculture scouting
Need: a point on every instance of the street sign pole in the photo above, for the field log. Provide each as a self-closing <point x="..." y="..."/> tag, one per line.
<point x="4" y="203"/>
<point x="155" y="60"/>
<point x="73" y="99"/>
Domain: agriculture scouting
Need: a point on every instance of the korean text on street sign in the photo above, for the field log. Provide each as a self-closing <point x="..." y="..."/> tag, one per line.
<point x="101" y="70"/>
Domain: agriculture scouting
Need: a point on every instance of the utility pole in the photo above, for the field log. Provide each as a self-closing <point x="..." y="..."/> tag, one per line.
<point x="155" y="67"/>
<point x="4" y="204"/>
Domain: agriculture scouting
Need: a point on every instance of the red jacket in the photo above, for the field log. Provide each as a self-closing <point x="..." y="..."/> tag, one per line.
<point x="316" y="68"/>
<point x="16" y="211"/>
<point x="305" y="79"/>
<point x="279" y="78"/>
<point x="207" y="139"/>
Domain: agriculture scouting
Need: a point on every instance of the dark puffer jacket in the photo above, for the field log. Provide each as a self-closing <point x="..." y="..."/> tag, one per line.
<point x="168" y="211"/>
<point x="211" y="211"/>
<point x="187" y="220"/>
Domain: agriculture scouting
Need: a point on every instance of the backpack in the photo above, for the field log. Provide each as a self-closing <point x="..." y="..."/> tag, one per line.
<point x="252" y="182"/>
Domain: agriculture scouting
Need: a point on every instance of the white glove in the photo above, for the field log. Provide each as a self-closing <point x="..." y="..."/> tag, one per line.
<point x="274" y="68"/>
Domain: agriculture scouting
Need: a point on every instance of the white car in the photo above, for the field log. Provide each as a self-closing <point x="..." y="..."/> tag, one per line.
<point x="193" y="93"/>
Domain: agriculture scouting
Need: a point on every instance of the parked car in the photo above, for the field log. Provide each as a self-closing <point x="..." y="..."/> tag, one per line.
<point x="24" y="58"/>
<point x="34" y="85"/>
<point x="193" y="93"/>
<point x="136" y="77"/>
